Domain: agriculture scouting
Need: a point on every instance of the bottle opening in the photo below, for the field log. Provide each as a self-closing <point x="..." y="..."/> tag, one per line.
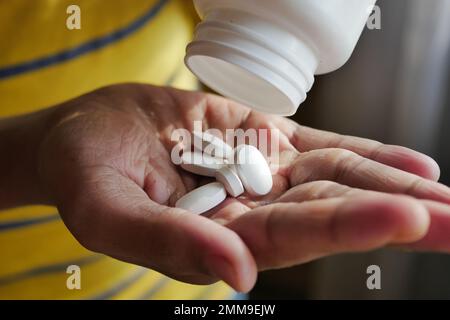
<point x="238" y="83"/>
<point x="253" y="61"/>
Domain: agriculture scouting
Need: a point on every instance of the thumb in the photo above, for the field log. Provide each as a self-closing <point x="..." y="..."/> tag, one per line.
<point x="116" y="217"/>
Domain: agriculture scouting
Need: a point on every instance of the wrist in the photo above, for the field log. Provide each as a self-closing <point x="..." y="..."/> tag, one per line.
<point x="20" y="142"/>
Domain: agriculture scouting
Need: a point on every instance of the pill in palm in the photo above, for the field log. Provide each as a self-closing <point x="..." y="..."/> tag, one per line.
<point x="236" y="171"/>
<point x="201" y="163"/>
<point x="253" y="170"/>
<point x="230" y="179"/>
<point x="212" y="145"/>
<point x="203" y="198"/>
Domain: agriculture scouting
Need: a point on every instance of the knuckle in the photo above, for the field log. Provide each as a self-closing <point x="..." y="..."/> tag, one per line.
<point x="336" y="154"/>
<point x="414" y="186"/>
<point x="270" y="227"/>
<point x="330" y="189"/>
<point x="344" y="162"/>
<point x="318" y="189"/>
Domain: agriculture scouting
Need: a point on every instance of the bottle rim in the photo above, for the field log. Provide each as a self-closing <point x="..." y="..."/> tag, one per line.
<point x="261" y="72"/>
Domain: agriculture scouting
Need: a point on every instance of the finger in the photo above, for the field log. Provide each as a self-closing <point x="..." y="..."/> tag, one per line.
<point x="223" y="114"/>
<point x="348" y="168"/>
<point x="285" y="234"/>
<point x="117" y="218"/>
<point x="436" y="239"/>
<point x="214" y="111"/>
<point x="307" y="139"/>
<point x="228" y="210"/>
<point x="169" y="109"/>
<point x="232" y="208"/>
<point x="317" y="190"/>
<point x="162" y="181"/>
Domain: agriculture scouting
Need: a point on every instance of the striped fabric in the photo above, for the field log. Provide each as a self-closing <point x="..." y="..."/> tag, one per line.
<point x="43" y="63"/>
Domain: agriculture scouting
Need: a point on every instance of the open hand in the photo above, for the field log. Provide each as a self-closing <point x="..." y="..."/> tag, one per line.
<point x="105" y="162"/>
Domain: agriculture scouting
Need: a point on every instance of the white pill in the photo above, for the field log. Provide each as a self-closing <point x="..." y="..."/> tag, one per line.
<point x="212" y="145"/>
<point x="201" y="163"/>
<point x="253" y="170"/>
<point x="230" y="179"/>
<point x="203" y="199"/>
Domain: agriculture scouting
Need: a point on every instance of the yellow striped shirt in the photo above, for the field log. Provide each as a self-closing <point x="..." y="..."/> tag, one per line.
<point x="43" y="63"/>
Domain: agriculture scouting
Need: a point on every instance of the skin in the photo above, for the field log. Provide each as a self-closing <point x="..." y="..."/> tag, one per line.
<point x="104" y="160"/>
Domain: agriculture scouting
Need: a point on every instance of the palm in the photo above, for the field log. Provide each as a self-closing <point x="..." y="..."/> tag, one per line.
<point x="115" y="187"/>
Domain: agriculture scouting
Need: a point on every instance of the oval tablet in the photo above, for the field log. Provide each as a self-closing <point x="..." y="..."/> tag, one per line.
<point x="200" y="163"/>
<point x="212" y="145"/>
<point x="253" y="170"/>
<point x="230" y="179"/>
<point x="203" y="199"/>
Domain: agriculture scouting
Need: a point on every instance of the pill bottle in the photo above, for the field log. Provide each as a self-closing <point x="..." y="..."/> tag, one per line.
<point x="265" y="53"/>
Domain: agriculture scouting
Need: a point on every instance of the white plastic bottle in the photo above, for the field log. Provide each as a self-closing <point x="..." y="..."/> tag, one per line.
<point x="265" y="53"/>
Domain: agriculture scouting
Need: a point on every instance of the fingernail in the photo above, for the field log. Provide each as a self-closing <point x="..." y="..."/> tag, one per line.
<point x="220" y="268"/>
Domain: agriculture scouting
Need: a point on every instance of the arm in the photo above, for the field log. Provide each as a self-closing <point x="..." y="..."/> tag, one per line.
<point x="20" y="139"/>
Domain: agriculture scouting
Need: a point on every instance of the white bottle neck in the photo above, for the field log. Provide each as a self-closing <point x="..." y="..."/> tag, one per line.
<point x="253" y="61"/>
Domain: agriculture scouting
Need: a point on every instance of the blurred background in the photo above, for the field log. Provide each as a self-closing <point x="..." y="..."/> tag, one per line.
<point x="395" y="89"/>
